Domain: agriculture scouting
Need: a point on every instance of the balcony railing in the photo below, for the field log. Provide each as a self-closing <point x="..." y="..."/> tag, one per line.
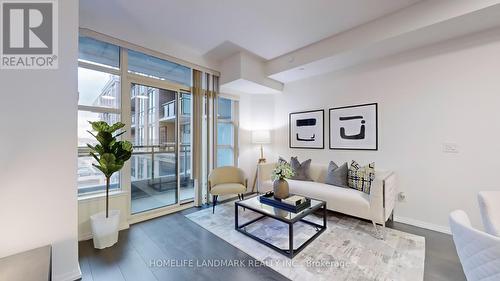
<point x="152" y="166"/>
<point x="169" y="108"/>
<point x="162" y="161"/>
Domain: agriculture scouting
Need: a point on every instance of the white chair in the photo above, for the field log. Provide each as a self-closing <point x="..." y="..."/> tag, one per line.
<point x="489" y="204"/>
<point x="479" y="252"/>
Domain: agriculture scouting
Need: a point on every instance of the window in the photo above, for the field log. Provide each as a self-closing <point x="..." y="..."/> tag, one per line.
<point x="160" y="117"/>
<point x="99" y="53"/>
<point x="98" y="89"/>
<point x="226" y="130"/>
<point x="83" y="125"/>
<point x="99" y="96"/>
<point x="143" y="64"/>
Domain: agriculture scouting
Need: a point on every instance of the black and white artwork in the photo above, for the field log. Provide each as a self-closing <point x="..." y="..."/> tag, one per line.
<point x="306" y="129"/>
<point x="354" y="127"/>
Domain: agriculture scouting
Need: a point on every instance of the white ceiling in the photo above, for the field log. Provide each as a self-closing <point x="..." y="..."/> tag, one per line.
<point x="267" y="28"/>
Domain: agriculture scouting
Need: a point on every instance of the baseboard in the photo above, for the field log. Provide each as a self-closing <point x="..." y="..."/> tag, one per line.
<point x="423" y="224"/>
<point x="69" y="276"/>
<point x="148" y="215"/>
<point x="88" y="236"/>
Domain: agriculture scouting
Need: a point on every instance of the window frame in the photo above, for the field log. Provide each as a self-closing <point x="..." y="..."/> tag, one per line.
<point x="234" y="121"/>
<point x="126" y="79"/>
<point x="84" y="151"/>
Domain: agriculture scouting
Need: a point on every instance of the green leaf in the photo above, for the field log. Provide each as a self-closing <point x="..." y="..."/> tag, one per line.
<point x="107" y="161"/>
<point x="99" y="149"/>
<point x="110" y="153"/>
<point x="91" y="133"/>
<point x="95" y="156"/>
<point x="99" y="126"/>
<point x="126" y="145"/>
<point x="119" y="134"/>
<point x="115" y="127"/>
<point x="105" y="139"/>
<point x="100" y="168"/>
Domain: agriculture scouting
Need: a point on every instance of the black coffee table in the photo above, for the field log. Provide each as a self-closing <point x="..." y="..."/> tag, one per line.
<point x="289" y="218"/>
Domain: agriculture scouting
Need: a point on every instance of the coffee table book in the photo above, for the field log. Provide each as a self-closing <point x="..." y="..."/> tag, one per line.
<point x="269" y="199"/>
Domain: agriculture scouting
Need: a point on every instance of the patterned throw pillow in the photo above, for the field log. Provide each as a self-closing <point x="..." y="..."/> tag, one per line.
<point x="361" y="178"/>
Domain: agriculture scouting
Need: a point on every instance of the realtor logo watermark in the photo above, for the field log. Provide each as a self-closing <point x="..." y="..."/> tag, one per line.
<point x="29" y="34"/>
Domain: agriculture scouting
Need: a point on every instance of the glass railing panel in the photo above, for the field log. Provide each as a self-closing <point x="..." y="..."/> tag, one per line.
<point x="185" y="157"/>
<point x="186" y="178"/>
<point x="153" y="178"/>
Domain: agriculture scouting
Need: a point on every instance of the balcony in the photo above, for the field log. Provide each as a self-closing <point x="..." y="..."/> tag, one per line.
<point x="169" y="110"/>
<point x="154" y="176"/>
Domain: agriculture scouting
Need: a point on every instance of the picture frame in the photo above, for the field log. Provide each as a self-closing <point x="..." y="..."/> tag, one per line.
<point x="354" y="127"/>
<point x="306" y="129"/>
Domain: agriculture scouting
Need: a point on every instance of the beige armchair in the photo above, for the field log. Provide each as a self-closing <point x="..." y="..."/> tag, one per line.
<point x="225" y="181"/>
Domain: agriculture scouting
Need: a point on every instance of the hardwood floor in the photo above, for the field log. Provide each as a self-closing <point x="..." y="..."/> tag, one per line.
<point x="144" y="251"/>
<point x="160" y="240"/>
<point x="441" y="259"/>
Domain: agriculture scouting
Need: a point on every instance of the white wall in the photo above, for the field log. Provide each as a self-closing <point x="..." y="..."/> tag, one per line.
<point x="448" y="92"/>
<point x="256" y="113"/>
<point x="38" y="202"/>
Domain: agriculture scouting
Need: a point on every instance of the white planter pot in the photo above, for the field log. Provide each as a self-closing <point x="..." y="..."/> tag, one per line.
<point x="105" y="230"/>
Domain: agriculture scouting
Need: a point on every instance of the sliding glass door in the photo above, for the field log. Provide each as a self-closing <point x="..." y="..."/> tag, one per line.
<point x="186" y="181"/>
<point x="161" y="134"/>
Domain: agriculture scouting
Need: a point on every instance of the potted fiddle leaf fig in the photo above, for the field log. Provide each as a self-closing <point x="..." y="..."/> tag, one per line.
<point x="110" y="154"/>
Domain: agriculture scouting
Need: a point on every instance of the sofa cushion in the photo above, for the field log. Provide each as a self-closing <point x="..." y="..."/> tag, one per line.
<point x="337" y="175"/>
<point x="361" y="178"/>
<point x="339" y="199"/>
<point x="301" y="170"/>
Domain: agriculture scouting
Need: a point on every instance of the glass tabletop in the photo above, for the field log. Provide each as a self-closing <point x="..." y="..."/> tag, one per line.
<point x="255" y="204"/>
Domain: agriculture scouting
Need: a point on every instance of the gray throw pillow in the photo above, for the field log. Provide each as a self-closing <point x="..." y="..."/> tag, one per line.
<point x="301" y="170"/>
<point x="337" y="175"/>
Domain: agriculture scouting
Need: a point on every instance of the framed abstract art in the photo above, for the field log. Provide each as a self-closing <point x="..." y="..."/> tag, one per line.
<point x="354" y="127"/>
<point x="306" y="129"/>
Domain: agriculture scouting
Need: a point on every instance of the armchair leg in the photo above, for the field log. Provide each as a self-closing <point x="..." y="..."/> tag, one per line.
<point x="239" y="197"/>
<point x="214" y="202"/>
<point x="242" y="196"/>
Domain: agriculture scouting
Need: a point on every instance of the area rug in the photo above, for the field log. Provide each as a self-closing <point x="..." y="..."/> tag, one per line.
<point x="346" y="250"/>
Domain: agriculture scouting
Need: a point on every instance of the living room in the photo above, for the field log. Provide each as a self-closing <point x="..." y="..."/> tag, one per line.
<point x="250" y="140"/>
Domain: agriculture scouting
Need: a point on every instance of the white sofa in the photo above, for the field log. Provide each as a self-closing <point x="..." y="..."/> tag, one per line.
<point x="376" y="206"/>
